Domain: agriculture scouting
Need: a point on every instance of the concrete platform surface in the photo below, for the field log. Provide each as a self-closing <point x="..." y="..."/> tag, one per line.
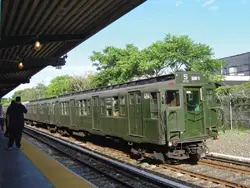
<point x="16" y="170"/>
<point x="32" y="168"/>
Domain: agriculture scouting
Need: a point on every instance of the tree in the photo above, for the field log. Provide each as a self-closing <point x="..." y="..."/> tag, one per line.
<point x="58" y="86"/>
<point x="181" y="53"/>
<point x="80" y="83"/>
<point x="116" y="65"/>
<point x="40" y="90"/>
<point x="25" y="94"/>
<point x="174" y="53"/>
<point x="5" y="101"/>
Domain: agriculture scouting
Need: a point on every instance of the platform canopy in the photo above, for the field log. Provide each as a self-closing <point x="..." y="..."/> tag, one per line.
<point x="59" y="25"/>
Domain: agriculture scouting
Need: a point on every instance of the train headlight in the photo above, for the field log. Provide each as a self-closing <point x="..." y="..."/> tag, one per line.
<point x="170" y="144"/>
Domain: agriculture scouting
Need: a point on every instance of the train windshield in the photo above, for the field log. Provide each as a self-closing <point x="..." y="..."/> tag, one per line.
<point x="172" y="98"/>
<point x="193" y="99"/>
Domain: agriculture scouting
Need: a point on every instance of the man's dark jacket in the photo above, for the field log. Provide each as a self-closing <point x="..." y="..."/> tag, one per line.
<point x="16" y="117"/>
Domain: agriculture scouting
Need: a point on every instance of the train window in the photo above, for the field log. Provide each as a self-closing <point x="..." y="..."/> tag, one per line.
<point x="88" y="107"/>
<point x="131" y="99"/>
<point x="79" y="107"/>
<point x="154" y="104"/>
<point x="102" y="103"/>
<point x="96" y="101"/>
<point x="108" y="106"/>
<point x="115" y="106"/>
<point x="62" y="108"/>
<point x="34" y="109"/>
<point x="138" y="98"/>
<point x="41" y="108"/>
<point x="122" y="100"/>
<point x="122" y="105"/>
<point x="172" y="98"/>
<point x="53" y="108"/>
<point x="84" y="107"/>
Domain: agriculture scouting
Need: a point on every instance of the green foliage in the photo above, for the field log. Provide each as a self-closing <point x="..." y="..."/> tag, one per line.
<point x="26" y="94"/>
<point x="239" y="96"/>
<point x="234" y="92"/>
<point x="40" y="90"/>
<point x="174" y="53"/>
<point x="58" y="86"/>
<point x="31" y="93"/>
<point x="116" y="65"/>
<point x="5" y="101"/>
<point x="80" y="83"/>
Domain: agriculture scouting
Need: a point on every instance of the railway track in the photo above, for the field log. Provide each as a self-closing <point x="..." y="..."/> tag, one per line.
<point x="226" y="166"/>
<point x="220" y="166"/>
<point x="199" y="175"/>
<point x="114" y="172"/>
<point x="227" y="160"/>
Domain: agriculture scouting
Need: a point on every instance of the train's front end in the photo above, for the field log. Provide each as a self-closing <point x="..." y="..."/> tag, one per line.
<point x="190" y="116"/>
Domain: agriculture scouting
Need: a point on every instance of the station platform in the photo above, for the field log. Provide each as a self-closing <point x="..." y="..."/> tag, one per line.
<point x="30" y="167"/>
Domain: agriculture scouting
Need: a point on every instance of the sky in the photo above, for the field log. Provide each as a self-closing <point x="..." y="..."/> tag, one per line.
<point x="224" y="25"/>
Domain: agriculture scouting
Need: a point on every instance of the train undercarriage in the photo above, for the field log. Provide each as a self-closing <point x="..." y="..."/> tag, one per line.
<point x="192" y="151"/>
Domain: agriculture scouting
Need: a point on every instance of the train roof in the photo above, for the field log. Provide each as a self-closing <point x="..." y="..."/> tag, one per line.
<point x="141" y="82"/>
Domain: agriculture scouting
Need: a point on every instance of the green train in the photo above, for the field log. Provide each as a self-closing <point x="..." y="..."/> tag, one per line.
<point x="165" y="117"/>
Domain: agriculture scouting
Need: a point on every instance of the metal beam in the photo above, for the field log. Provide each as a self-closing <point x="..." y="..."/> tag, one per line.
<point x="15" y="81"/>
<point x="8" y="42"/>
<point x="31" y="63"/>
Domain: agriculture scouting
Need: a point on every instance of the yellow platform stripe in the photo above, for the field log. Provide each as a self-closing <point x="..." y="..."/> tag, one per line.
<point x="56" y="173"/>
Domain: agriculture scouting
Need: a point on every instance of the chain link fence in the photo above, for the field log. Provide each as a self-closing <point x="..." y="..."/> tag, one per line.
<point x="234" y="107"/>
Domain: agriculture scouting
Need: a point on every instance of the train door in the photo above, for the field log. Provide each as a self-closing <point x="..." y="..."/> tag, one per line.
<point x="173" y="110"/>
<point x="135" y="114"/>
<point x="57" y="113"/>
<point x="73" y="118"/>
<point x="194" y="115"/>
<point x="96" y="113"/>
<point x="52" y="113"/>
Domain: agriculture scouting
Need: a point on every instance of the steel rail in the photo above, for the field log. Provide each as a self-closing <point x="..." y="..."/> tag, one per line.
<point x="227" y="160"/>
<point x="224" y="166"/>
<point x="203" y="176"/>
<point x="130" y="169"/>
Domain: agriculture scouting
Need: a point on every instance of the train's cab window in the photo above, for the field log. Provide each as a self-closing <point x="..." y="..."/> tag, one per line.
<point x="108" y="106"/>
<point x="192" y="100"/>
<point x="172" y="98"/>
<point x="115" y="103"/>
<point x="154" y="104"/>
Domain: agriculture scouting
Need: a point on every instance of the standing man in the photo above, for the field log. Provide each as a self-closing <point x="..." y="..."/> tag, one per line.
<point x="16" y="122"/>
<point x="7" y="119"/>
<point x="1" y="118"/>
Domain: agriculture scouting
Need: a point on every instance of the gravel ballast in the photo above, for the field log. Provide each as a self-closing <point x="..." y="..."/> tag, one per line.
<point x="233" y="142"/>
